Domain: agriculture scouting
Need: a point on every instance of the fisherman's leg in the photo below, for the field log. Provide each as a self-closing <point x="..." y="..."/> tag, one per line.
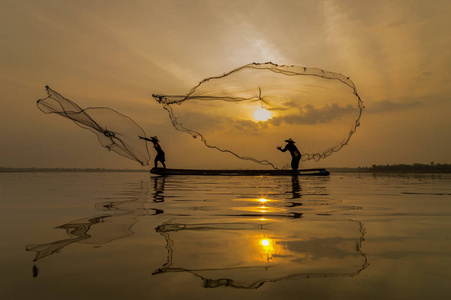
<point x="155" y="162"/>
<point x="162" y="159"/>
<point x="162" y="162"/>
<point x="295" y="164"/>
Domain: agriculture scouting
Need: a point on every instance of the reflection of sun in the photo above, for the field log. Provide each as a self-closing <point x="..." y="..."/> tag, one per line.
<point x="264" y="242"/>
<point x="262" y="208"/>
<point x="267" y="249"/>
<point x="261" y="114"/>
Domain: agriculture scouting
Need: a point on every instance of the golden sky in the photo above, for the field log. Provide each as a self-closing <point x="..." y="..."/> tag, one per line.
<point x="118" y="53"/>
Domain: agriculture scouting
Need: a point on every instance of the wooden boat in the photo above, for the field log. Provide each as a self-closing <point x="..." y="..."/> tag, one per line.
<point x="302" y="172"/>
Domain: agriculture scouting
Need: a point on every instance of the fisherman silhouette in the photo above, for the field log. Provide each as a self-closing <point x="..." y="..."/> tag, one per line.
<point x="295" y="154"/>
<point x="160" y="153"/>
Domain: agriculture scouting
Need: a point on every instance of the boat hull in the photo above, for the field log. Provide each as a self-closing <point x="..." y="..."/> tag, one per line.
<point x="302" y="172"/>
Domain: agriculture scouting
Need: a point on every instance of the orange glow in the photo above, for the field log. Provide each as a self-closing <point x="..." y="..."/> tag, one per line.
<point x="268" y="249"/>
<point x="262" y="208"/>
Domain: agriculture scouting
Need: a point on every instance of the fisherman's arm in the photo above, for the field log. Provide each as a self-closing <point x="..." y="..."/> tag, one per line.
<point x="144" y="138"/>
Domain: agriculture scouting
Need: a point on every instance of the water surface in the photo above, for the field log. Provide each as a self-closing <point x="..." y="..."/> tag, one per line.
<point x="123" y="235"/>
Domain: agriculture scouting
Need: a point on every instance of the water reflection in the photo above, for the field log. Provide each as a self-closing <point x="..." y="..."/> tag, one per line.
<point x="249" y="254"/>
<point x="296" y="187"/>
<point x="251" y="241"/>
<point x="219" y="231"/>
<point x="116" y="221"/>
<point x="158" y="194"/>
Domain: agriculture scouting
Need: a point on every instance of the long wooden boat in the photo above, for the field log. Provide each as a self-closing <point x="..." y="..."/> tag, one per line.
<point x="301" y="172"/>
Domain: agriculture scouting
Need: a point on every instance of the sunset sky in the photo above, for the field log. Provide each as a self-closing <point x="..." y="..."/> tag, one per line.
<point x="118" y="53"/>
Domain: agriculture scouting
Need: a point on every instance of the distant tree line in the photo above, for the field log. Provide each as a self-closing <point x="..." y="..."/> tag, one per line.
<point x="403" y="168"/>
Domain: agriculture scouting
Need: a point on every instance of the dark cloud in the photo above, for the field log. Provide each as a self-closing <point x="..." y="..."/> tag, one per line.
<point x="426" y="74"/>
<point x="310" y="115"/>
<point x="248" y="126"/>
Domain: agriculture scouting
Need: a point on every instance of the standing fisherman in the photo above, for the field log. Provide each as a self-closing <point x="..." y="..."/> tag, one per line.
<point x="295" y="154"/>
<point x="160" y="153"/>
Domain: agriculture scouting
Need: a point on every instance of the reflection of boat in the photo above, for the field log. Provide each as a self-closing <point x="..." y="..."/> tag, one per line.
<point x="302" y="172"/>
<point x="247" y="255"/>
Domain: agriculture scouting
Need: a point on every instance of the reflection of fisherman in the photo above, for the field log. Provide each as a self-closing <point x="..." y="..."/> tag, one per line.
<point x="160" y="152"/>
<point x="295" y="154"/>
<point x="158" y="196"/>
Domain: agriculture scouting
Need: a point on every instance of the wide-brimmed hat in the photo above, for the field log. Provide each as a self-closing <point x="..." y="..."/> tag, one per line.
<point x="290" y="140"/>
<point x="154" y="139"/>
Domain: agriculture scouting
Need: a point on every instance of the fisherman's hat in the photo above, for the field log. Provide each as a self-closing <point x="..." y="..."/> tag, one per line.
<point x="154" y="139"/>
<point x="290" y="140"/>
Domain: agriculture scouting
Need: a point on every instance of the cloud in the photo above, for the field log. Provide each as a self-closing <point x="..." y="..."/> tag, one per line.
<point x="387" y="106"/>
<point x="310" y="115"/>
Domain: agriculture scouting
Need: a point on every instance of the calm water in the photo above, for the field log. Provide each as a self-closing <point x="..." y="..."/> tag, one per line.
<point x="132" y="235"/>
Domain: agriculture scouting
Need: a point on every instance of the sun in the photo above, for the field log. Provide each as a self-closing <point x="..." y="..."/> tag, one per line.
<point x="262" y="114"/>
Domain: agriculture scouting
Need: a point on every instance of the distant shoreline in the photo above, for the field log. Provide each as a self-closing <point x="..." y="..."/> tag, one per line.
<point x="398" y="168"/>
<point x="2" y="169"/>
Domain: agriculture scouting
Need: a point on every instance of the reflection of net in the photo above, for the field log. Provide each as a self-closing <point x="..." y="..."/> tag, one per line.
<point x="342" y="253"/>
<point x="318" y="109"/>
<point x="115" y="131"/>
<point x="115" y="223"/>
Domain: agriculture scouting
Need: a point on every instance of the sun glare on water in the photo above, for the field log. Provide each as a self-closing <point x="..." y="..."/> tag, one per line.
<point x="261" y="114"/>
<point x="265" y="242"/>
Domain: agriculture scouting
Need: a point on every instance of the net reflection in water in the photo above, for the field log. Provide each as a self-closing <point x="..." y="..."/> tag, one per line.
<point x="247" y="255"/>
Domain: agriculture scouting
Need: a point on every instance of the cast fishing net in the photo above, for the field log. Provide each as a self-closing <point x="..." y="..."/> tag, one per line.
<point x="250" y="110"/>
<point x="115" y="131"/>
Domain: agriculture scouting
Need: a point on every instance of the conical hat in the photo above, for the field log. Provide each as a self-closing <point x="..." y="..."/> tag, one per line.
<point x="154" y="138"/>
<point x="290" y="140"/>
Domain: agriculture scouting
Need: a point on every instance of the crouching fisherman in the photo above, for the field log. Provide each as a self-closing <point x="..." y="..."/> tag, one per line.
<point x="160" y="153"/>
